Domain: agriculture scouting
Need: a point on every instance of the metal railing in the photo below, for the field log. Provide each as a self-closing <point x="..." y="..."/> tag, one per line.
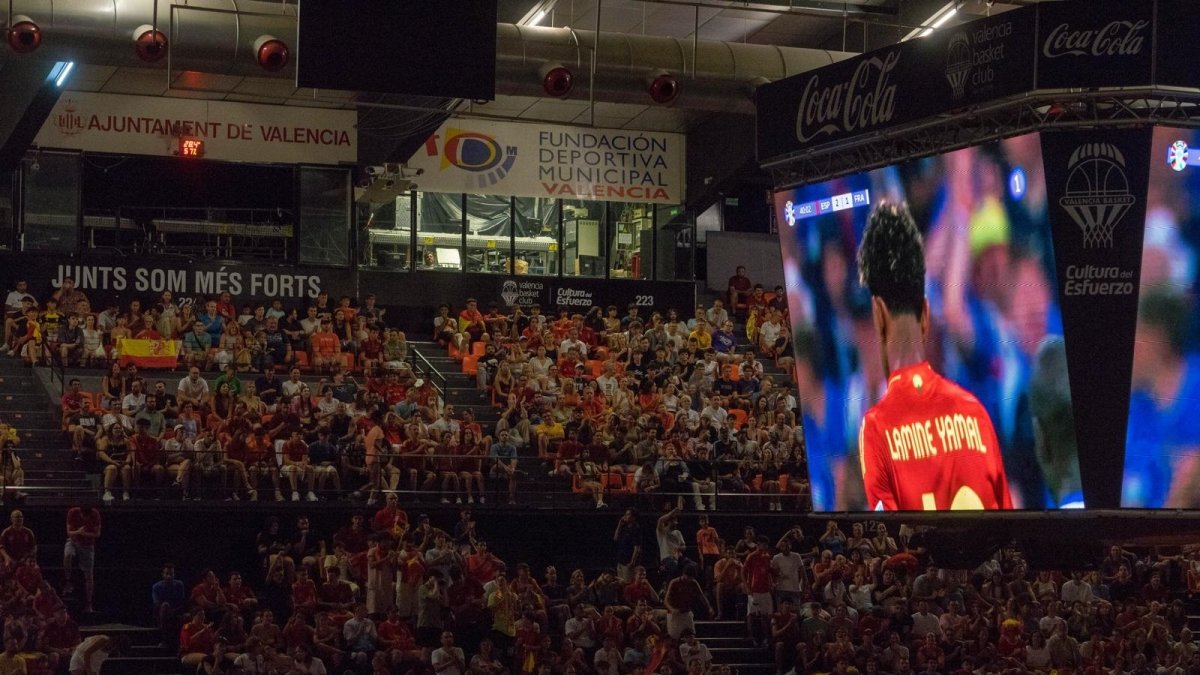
<point x="424" y="369"/>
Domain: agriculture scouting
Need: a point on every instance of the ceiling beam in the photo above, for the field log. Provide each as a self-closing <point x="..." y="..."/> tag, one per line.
<point x="821" y="8"/>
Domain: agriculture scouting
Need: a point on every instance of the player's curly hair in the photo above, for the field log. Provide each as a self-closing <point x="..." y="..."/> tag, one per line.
<point x="891" y="259"/>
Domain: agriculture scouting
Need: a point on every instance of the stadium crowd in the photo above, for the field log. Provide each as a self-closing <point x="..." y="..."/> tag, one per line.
<point x="384" y="594"/>
<point x="654" y="405"/>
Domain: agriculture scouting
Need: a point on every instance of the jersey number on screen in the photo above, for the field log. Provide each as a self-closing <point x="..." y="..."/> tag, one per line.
<point x="964" y="500"/>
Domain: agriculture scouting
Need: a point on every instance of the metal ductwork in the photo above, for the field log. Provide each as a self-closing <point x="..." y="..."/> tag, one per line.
<point x="715" y="76"/>
<point x="222" y="36"/>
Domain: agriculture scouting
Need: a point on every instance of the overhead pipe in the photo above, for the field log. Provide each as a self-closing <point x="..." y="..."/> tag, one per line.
<point x="219" y="36"/>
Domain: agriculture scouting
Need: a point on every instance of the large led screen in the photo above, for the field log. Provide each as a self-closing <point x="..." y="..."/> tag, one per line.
<point x="942" y="383"/>
<point x="1162" y="443"/>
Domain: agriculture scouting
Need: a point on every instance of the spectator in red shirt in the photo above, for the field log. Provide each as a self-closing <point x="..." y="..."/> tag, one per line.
<point x="239" y="595"/>
<point x="83" y="529"/>
<point x="147" y="456"/>
<point x="58" y="638"/>
<point x="759" y="583"/>
<point x="17" y="542"/>
<point x="739" y="288"/>
<point x="196" y="640"/>
<point x="304" y="594"/>
<point x="471" y="321"/>
<point x="391" y="519"/>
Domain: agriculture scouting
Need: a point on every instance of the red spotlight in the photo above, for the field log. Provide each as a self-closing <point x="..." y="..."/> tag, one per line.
<point x="24" y="36"/>
<point x="558" y="81"/>
<point x="664" y="89"/>
<point x="150" y="44"/>
<point x="272" y="53"/>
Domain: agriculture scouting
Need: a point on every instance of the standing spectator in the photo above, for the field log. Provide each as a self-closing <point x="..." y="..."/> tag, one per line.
<point x="629" y="545"/>
<point x="759" y="582"/>
<point x="682" y="598"/>
<point x="83" y="530"/>
<point x="788" y="569"/>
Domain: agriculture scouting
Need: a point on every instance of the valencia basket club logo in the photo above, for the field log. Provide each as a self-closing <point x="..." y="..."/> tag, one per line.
<point x="474" y="152"/>
<point x="509" y="293"/>
<point x="958" y="63"/>
<point x="1097" y="194"/>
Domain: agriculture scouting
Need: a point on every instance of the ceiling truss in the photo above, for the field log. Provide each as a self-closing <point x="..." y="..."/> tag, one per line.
<point x="1045" y="111"/>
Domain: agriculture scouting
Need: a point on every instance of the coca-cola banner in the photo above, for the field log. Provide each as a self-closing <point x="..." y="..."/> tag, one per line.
<point x="1099" y="43"/>
<point x="979" y="61"/>
<point x="1177" y="49"/>
<point x="1096" y="187"/>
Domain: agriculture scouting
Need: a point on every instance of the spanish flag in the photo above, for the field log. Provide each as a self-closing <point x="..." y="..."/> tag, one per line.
<point x="148" y="353"/>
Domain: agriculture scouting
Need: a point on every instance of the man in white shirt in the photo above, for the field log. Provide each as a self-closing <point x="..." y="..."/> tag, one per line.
<point x="446" y="422"/>
<point x="135" y="401"/>
<point x="580" y="629"/>
<point x="714" y="412"/>
<point x="690" y="648"/>
<point x="311" y="323"/>
<point x="925" y="622"/>
<point x="12" y="303"/>
<point x="448" y="659"/>
<point x="293" y="385"/>
<point x="787" y="566"/>
<point x="192" y="389"/>
<point x="608" y="658"/>
<point x="572" y="342"/>
<point x="607" y="381"/>
<point x="716" y="315"/>
<point x="1076" y="590"/>
<point x="362" y="638"/>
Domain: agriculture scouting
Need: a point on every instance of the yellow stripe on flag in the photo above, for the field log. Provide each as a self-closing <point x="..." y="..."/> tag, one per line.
<point x="148" y="353"/>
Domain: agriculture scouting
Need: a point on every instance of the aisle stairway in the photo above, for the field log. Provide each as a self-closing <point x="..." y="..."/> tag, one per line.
<point x="726" y="641"/>
<point x="52" y="476"/>
<point x="145" y="656"/>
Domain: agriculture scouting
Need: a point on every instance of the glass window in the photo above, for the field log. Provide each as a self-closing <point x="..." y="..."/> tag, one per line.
<point x="489" y="233"/>
<point x="439" y="231"/>
<point x="583" y="238"/>
<point x="324" y="216"/>
<point x="630" y="241"/>
<point x="675" y="234"/>
<point x="387" y="235"/>
<point x="51" y="214"/>
<point x="537" y="240"/>
<point x="7" y="212"/>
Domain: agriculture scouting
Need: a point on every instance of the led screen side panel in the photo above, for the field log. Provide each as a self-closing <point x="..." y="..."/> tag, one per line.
<point x="941" y="384"/>
<point x="1162" y="443"/>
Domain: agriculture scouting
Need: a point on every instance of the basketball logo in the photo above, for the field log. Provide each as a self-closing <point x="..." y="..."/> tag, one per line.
<point x="958" y="63"/>
<point x="1097" y="194"/>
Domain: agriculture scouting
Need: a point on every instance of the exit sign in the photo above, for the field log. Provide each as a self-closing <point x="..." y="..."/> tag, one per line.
<point x="191" y="147"/>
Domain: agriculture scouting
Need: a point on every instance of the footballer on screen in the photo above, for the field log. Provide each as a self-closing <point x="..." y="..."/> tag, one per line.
<point x="928" y="444"/>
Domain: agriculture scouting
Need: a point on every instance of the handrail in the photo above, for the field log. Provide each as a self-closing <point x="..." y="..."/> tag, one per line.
<point x="61" y="370"/>
<point x="423" y="368"/>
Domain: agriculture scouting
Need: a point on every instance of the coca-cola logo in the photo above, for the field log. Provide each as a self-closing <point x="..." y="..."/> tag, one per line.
<point x="866" y="100"/>
<point x="1118" y="38"/>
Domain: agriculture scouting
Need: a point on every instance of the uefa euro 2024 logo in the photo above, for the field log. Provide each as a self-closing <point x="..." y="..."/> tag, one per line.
<point x="1097" y="195"/>
<point x="958" y="63"/>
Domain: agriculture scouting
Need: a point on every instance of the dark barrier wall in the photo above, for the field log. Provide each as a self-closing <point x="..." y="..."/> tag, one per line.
<point x="414" y="297"/>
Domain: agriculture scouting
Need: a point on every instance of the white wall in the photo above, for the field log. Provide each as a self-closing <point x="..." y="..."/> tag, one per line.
<point x="758" y="252"/>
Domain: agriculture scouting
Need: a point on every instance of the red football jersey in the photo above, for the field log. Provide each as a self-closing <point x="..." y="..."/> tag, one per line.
<point x="929" y="445"/>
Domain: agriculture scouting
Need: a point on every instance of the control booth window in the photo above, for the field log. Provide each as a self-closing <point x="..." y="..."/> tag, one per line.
<point x="489" y="234"/>
<point x="537" y="227"/>
<point x="583" y="238"/>
<point x="324" y="237"/>
<point x="440" y="231"/>
<point x="51" y="213"/>
<point x="386" y="231"/>
<point x="630" y="241"/>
